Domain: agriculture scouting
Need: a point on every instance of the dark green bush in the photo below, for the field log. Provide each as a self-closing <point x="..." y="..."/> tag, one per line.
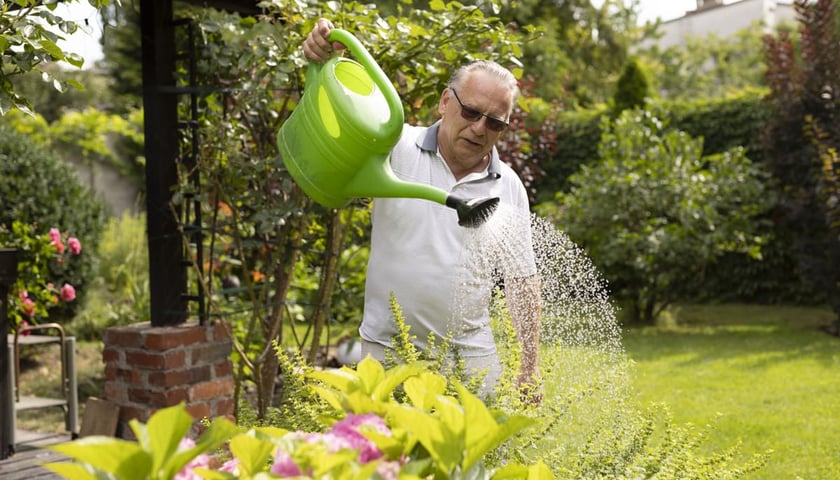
<point x="37" y="188"/>
<point x="723" y="124"/>
<point x="632" y="90"/>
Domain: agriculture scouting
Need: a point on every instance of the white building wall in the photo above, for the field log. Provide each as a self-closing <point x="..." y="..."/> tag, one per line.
<point x="725" y="20"/>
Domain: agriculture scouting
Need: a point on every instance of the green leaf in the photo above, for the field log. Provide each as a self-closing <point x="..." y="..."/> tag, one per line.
<point x="437" y="5"/>
<point x="166" y="428"/>
<point x="396" y="376"/>
<point x="76" y="471"/>
<point x="343" y="379"/>
<point x="483" y="433"/>
<point x="219" y="431"/>
<point x="431" y="433"/>
<point x="423" y="390"/>
<point x="371" y="373"/>
<point x="253" y="453"/>
<point x="51" y="48"/>
<point x="125" y="460"/>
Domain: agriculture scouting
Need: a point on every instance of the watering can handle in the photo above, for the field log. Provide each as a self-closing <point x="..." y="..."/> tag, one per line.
<point x="377" y="75"/>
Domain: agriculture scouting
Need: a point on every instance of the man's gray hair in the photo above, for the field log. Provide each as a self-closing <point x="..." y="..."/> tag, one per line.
<point x="503" y="74"/>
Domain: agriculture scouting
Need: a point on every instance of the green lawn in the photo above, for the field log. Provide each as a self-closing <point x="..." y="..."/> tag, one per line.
<point x="770" y="372"/>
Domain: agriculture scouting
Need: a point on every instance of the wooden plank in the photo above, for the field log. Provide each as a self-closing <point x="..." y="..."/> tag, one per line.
<point x="28" y="402"/>
<point x="30" y="455"/>
<point x="100" y="418"/>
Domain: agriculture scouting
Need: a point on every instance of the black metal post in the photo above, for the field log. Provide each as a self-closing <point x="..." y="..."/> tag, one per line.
<point x="167" y="274"/>
<point x="8" y="275"/>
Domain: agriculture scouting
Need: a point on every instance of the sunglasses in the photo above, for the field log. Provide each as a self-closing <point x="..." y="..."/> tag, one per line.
<point x="473" y="115"/>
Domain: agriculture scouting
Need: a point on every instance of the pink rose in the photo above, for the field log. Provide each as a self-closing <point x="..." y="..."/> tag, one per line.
<point x="75" y="245"/>
<point x="59" y="246"/>
<point x="28" y="306"/>
<point x="55" y="235"/>
<point x="68" y="293"/>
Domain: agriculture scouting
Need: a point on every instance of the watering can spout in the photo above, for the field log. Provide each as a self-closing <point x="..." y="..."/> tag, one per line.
<point x="474" y="212"/>
<point x="337" y="142"/>
<point x="376" y="179"/>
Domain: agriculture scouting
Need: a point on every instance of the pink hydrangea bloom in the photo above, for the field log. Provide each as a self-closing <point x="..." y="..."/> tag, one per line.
<point x="68" y="293"/>
<point x="231" y="466"/>
<point x="343" y="435"/>
<point x="349" y="430"/>
<point x="284" y="466"/>
<point x="389" y="470"/>
<point x="187" y="472"/>
<point x="75" y="245"/>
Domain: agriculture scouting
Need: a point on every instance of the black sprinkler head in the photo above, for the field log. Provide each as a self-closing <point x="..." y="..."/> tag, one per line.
<point x="473" y="213"/>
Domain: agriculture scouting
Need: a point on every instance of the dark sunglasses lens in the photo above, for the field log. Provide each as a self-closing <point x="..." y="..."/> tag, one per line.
<point x="470" y="114"/>
<point x="495" y="125"/>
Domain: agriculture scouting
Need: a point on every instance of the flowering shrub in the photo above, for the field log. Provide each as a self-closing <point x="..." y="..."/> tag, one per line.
<point x="371" y="435"/>
<point x="43" y="262"/>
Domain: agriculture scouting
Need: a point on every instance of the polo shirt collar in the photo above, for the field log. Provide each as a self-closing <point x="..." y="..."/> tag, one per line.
<point x="428" y="142"/>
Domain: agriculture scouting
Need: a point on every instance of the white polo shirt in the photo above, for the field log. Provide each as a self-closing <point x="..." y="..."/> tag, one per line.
<point x="417" y="251"/>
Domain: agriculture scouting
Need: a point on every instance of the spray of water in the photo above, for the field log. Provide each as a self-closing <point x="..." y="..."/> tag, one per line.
<point x="583" y="365"/>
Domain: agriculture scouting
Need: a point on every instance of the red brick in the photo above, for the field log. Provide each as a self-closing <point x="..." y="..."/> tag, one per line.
<point x="157" y="398"/>
<point x="209" y="390"/>
<point x="165" y="338"/>
<point x="209" y="353"/>
<point x="131" y="376"/>
<point x="199" y="410"/>
<point x="126" y="336"/>
<point x="111" y="355"/>
<point x="155" y="361"/>
<point x="220" y="332"/>
<point x="223" y="369"/>
<point x="115" y="393"/>
<point x="169" y="378"/>
<point x="200" y="374"/>
<point x="141" y="414"/>
<point x="223" y="407"/>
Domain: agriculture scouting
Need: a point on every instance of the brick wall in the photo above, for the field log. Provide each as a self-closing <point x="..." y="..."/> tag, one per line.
<point x="148" y="368"/>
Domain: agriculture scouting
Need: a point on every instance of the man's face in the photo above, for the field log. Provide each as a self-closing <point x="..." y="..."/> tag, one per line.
<point x="465" y="143"/>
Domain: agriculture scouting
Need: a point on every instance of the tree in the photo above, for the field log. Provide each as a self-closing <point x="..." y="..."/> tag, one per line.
<point x="121" y="48"/>
<point x="707" y="67"/>
<point x="802" y="139"/>
<point x="652" y="212"/>
<point x="28" y="41"/>
<point x="579" y="49"/>
<point x="632" y="89"/>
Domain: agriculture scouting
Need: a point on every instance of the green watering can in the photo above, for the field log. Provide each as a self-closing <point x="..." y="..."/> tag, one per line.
<point x="337" y="142"/>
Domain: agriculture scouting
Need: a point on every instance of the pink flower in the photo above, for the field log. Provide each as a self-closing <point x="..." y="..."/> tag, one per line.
<point x="68" y="293"/>
<point x="55" y="235"/>
<point x="284" y="466"/>
<point x="22" y="326"/>
<point x="23" y="295"/>
<point x="75" y="245"/>
<point x="231" y="466"/>
<point x="28" y="306"/>
<point x="187" y="472"/>
<point x="349" y="429"/>
<point x="389" y="470"/>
